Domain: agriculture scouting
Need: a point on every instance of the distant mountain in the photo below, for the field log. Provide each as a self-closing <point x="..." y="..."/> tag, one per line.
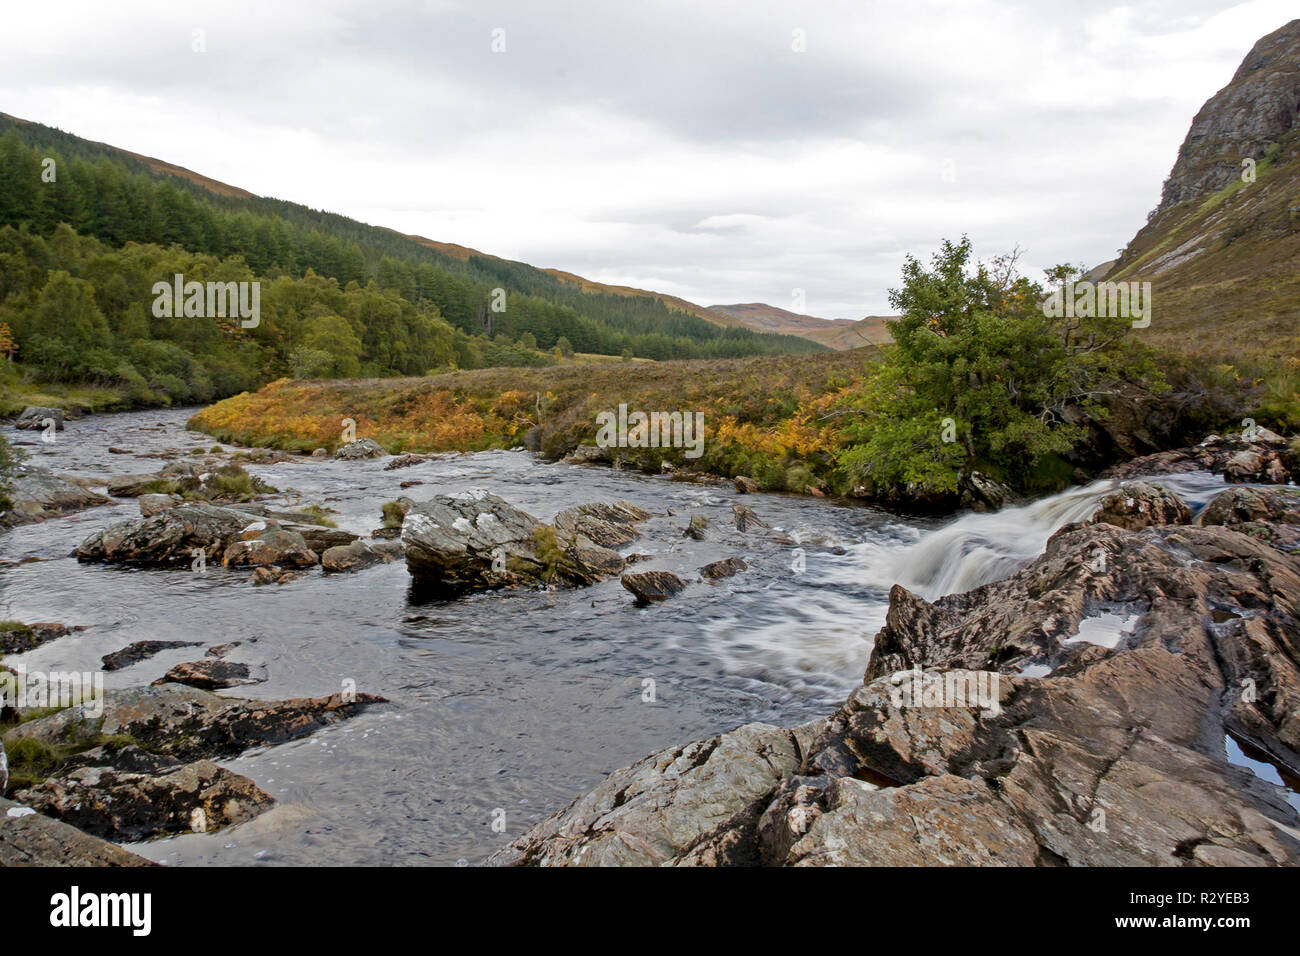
<point x="839" y="334"/>
<point x="768" y="318"/>
<point x="869" y="331"/>
<point x="1222" y="249"/>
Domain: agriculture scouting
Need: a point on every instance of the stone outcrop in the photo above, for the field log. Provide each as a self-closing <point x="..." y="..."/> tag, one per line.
<point x="235" y="536"/>
<point x="1263" y="458"/>
<point x="1077" y="712"/>
<point x="1140" y="504"/>
<point x="18" y="638"/>
<point x="1256" y="109"/>
<point x="211" y="674"/>
<point x="28" y="838"/>
<point x="650" y="587"/>
<point x="35" y="495"/>
<point x="360" y="554"/>
<point x="190" y="724"/>
<point x="35" y="418"/>
<point x="608" y="525"/>
<point x="141" y="651"/>
<point x="129" y="806"/>
<point x="360" y="449"/>
<point x="476" y="540"/>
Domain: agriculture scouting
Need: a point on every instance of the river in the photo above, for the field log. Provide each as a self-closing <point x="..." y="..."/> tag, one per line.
<point x="507" y="705"/>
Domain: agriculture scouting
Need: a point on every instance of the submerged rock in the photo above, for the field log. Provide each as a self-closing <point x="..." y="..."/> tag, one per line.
<point x="140" y="651"/>
<point x="1151" y="647"/>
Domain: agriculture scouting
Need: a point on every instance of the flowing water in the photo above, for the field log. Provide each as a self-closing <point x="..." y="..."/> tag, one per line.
<point x="506" y="705"/>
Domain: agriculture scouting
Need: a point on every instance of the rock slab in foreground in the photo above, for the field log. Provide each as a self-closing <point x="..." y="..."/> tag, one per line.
<point x="949" y="755"/>
<point x="31" y="839"/>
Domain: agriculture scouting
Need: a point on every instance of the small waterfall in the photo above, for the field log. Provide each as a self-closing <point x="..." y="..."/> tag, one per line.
<point x="975" y="549"/>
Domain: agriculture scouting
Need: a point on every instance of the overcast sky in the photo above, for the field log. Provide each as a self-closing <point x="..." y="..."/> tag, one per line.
<point x="721" y="151"/>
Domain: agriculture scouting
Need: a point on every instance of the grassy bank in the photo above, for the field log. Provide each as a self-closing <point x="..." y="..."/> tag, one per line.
<point x="765" y="417"/>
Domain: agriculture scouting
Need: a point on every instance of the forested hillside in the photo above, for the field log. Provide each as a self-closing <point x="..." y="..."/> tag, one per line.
<point x="86" y="230"/>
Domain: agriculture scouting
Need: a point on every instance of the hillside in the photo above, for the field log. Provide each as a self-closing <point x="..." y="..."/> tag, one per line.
<point x="838" y="334"/>
<point x="767" y="417"/>
<point x="1223" y="253"/>
<point x="768" y="318"/>
<point x="118" y="196"/>
<point x="872" y="330"/>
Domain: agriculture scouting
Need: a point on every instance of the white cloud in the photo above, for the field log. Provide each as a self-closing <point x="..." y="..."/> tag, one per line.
<point x="674" y="146"/>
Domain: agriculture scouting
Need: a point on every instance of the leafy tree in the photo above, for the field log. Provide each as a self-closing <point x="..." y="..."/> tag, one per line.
<point x="980" y="377"/>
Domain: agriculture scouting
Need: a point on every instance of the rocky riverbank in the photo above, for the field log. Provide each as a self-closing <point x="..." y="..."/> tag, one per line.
<point x="1080" y="712"/>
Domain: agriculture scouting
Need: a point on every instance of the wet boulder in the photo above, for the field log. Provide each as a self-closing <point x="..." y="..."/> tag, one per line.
<point x="131" y="806"/>
<point x="697" y="528"/>
<point x="1140" y="504"/>
<point x="140" y="651"/>
<point x="650" y="587"/>
<point x="746" y="520"/>
<point x="360" y="449"/>
<point x="168" y="539"/>
<point x="360" y="554"/>
<point x="266" y="543"/>
<point x="608" y="525"/>
<point x="38" y="417"/>
<point x="35" y="495"/>
<point x="723" y="569"/>
<point x="745" y="485"/>
<point x="212" y="673"/>
<point x="476" y="540"/>
<point x="979" y="492"/>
